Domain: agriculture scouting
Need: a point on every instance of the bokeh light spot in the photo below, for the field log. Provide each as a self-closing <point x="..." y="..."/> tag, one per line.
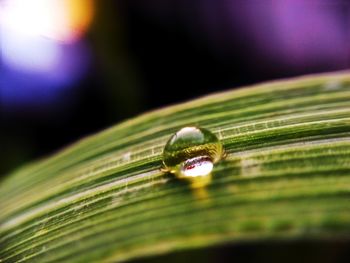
<point x="41" y="48"/>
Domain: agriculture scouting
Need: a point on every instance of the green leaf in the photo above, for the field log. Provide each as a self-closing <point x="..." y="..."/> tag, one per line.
<point x="286" y="176"/>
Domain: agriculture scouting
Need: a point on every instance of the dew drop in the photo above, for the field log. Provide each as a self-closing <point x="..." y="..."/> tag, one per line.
<point x="191" y="153"/>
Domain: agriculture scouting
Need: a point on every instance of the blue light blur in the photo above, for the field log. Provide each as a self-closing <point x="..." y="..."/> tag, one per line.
<point x="43" y="86"/>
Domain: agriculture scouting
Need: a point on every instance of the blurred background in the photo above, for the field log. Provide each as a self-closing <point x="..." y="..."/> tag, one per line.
<point x="70" y="68"/>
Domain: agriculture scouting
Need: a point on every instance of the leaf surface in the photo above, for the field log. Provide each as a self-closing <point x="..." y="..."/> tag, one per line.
<point x="286" y="175"/>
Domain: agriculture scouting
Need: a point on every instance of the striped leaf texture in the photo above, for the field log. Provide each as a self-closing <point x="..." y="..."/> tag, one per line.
<point x="286" y="175"/>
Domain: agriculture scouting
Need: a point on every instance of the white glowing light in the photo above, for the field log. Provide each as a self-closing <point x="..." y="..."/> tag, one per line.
<point x="25" y="26"/>
<point x="62" y="20"/>
<point x="29" y="53"/>
<point x="31" y="17"/>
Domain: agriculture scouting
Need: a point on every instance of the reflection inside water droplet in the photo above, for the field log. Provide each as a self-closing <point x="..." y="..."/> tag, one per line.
<point x="198" y="166"/>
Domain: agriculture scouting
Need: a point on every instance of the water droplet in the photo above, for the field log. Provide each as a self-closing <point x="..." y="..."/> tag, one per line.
<point x="191" y="153"/>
